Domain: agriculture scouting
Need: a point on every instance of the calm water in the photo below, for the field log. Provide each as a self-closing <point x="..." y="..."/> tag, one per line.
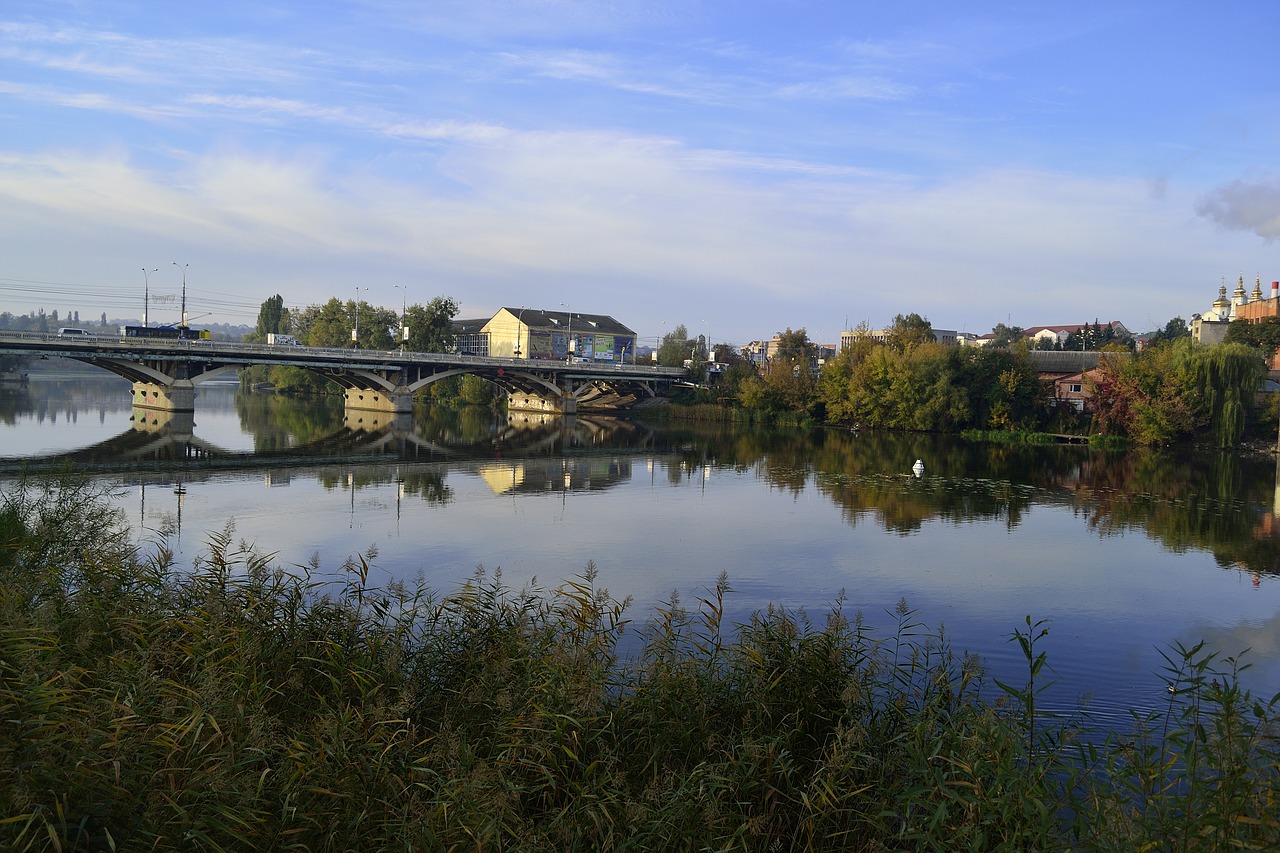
<point x="1124" y="553"/>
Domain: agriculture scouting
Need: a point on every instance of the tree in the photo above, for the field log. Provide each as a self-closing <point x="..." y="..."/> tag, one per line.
<point x="738" y="369"/>
<point x="1176" y="328"/>
<point x="271" y="318"/>
<point x="675" y="347"/>
<point x="1264" y="336"/>
<point x="1004" y="336"/>
<point x="331" y="325"/>
<point x="909" y="331"/>
<point x="475" y="391"/>
<point x="431" y="325"/>
<point x="790" y="372"/>
<point x="1177" y="390"/>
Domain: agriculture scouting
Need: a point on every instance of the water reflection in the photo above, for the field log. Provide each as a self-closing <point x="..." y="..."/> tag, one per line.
<point x="1219" y="503"/>
<point x="1124" y="551"/>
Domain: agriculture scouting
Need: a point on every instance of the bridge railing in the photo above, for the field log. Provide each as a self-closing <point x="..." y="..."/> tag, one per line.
<point x="113" y="343"/>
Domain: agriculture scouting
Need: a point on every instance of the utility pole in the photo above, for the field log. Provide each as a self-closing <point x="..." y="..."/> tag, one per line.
<point x="146" y="292"/>
<point x="183" y="267"/>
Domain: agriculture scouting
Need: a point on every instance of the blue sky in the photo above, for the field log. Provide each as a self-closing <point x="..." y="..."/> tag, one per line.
<point x="737" y="167"/>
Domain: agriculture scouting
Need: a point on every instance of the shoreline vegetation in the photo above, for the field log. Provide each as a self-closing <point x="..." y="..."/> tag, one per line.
<point x="1173" y="391"/>
<point x="236" y="705"/>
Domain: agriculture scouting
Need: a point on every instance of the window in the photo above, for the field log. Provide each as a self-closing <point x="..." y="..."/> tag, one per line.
<point x="1074" y="388"/>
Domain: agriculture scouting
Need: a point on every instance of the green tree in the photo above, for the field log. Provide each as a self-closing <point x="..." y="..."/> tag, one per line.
<point x="1178" y="390"/>
<point x="909" y="331"/>
<point x="475" y="391"/>
<point x="331" y="324"/>
<point x="1176" y="328"/>
<point x="1263" y="336"/>
<point x="1005" y="336"/>
<point x="431" y="325"/>
<point x="738" y="369"/>
<point x="1226" y="378"/>
<point x="790" y="371"/>
<point x="675" y="347"/>
<point x="272" y="318"/>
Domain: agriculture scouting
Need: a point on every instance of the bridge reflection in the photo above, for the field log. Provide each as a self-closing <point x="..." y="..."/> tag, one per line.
<point x="167" y="441"/>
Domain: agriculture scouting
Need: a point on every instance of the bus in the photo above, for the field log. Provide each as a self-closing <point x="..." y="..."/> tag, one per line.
<point x="168" y="333"/>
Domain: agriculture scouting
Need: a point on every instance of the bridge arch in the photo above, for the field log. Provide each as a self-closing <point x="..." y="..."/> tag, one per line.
<point x="165" y="372"/>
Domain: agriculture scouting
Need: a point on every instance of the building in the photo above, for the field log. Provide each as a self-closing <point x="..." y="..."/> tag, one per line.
<point x="531" y="333"/>
<point x="1057" y="336"/>
<point x="946" y="337"/>
<point x="1074" y="390"/>
<point x="1211" y="326"/>
<point x="469" y="337"/>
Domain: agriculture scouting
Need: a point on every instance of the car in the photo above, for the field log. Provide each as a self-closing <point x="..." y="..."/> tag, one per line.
<point x="70" y="332"/>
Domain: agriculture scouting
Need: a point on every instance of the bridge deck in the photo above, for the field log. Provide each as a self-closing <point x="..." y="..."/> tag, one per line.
<point x="37" y="344"/>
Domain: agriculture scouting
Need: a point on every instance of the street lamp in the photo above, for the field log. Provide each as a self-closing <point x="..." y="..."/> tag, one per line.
<point x="355" y="333"/>
<point x="404" y="330"/>
<point x="146" y="292"/>
<point x="568" y="359"/>
<point x="183" y="267"/>
<point x="519" y="329"/>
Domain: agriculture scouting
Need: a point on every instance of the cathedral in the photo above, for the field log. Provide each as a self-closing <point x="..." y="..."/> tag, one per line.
<point x="1211" y="326"/>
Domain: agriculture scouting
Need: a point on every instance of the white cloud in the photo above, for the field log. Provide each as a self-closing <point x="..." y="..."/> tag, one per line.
<point x="588" y="209"/>
<point x="1245" y="205"/>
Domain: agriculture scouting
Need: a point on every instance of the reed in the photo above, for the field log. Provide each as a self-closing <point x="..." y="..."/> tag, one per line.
<point x="234" y="705"/>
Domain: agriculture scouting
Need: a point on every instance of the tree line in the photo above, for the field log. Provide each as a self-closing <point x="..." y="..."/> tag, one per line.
<point x="430" y="326"/>
<point x="333" y="324"/>
<point x="1173" y="390"/>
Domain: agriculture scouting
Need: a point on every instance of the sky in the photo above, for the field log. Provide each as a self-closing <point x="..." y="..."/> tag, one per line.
<point x="740" y="168"/>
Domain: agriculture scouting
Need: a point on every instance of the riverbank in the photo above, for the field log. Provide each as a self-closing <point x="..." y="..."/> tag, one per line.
<point x="239" y="706"/>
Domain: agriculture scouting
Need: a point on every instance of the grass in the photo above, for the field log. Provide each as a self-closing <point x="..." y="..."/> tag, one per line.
<point x="236" y="706"/>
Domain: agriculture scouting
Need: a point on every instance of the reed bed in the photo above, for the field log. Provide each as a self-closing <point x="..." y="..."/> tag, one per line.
<point x="237" y="706"/>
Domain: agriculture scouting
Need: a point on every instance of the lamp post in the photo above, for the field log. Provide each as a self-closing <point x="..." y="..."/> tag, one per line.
<point x="355" y="333"/>
<point x="568" y="358"/>
<point x="519" y="329"/>
<point x="404" y="298"/>
<point x="183" y="267"/>
<point x="146" y="292"/>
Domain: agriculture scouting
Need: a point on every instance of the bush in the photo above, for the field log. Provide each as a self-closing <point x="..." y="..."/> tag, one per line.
<point x="237" y="706"/>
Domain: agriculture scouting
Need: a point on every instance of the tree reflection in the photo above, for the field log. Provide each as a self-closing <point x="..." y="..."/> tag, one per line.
<point x="1221" y="503"/>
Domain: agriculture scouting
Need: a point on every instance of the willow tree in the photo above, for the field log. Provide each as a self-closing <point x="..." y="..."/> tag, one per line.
<point x="1226" y="377"/>
<point x="1176" y="390"/>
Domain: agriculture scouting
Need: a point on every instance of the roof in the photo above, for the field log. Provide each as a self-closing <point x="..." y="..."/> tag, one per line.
<point x="586" y="324"/>
<point x="1070" y="327"/>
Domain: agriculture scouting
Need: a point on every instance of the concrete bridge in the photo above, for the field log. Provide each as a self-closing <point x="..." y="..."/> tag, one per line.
<point x="165" y="373"/>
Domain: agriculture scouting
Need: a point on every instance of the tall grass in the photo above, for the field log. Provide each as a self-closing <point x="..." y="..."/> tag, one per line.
<point x="236" y="706"/>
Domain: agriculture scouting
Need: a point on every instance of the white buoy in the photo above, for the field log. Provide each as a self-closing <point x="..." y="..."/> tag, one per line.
<point x="918" y="468"/>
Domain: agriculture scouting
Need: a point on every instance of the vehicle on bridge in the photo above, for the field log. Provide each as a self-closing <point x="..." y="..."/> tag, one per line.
<point x="168" y="333"/>
<point x="70" y="332"/>
<point x="275" y="339"/>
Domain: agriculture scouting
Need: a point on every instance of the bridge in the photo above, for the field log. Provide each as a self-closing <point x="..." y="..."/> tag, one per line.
<point x="165" y="373"/>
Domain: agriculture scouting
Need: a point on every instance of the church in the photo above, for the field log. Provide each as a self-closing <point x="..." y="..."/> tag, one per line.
<point x="1211" y="326"/>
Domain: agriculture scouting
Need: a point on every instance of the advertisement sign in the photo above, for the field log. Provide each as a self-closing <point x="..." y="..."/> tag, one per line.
<point x="604" y="348"/>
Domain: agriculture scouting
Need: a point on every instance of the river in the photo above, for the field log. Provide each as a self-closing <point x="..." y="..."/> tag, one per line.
<point x="1124" y="553"/>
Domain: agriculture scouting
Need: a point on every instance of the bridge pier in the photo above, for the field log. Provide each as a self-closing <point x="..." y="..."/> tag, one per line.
<point x="367" y="420"/>
<point x="527" y="401"/>
<point x="180" y="396"/>
<point x="180" y="425"/>
<point x="374" y="408"/>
